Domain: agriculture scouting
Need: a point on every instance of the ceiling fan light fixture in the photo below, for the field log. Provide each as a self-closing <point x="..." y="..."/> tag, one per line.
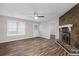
<point x="35" y="17"/>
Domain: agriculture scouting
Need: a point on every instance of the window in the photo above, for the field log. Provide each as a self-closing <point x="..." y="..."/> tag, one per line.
<point x="15" y="28"/>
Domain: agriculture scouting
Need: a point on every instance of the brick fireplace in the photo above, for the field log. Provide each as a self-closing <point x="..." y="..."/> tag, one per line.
<point x="71" y="17"/>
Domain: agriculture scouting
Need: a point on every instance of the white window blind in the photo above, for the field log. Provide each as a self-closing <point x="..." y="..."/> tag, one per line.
<point x="15" y="28"/>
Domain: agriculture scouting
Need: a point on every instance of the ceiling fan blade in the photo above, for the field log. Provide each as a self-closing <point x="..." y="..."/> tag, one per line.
<point x="40" y="16"/>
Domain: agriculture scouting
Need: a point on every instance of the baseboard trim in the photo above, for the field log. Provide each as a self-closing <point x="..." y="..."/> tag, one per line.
<point x="19" y="39"/>
<point x="15" y="39"/>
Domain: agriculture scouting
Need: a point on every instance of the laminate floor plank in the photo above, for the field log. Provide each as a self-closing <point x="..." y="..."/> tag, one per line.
<point x="29" y="47"/>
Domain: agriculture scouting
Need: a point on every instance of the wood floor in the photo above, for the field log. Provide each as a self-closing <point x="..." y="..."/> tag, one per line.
<point x="30" y="47"/>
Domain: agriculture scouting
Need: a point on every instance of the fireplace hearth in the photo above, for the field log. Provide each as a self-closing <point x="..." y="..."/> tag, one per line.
<point x="76" y="45"/>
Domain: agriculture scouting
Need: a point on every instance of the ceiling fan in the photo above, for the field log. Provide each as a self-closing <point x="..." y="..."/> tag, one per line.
<point x="36" y="16"/>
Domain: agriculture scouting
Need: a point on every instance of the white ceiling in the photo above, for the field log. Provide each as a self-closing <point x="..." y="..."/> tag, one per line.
<point x="26" y="10"/>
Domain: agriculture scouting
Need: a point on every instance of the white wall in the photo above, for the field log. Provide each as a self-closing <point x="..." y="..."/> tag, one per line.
<point x="45" y="30"/>
<point x="50" y="27"/>
<point x="57" y="29"/>
<point x="54" y="27"/>
<point x="3" y="30"/>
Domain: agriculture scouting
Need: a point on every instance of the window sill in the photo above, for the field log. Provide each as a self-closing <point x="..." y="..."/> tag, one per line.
<point x="14" y="34"/>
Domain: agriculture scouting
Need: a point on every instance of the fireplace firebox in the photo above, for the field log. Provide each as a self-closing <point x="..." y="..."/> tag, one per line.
<point x="65" y="35"/>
